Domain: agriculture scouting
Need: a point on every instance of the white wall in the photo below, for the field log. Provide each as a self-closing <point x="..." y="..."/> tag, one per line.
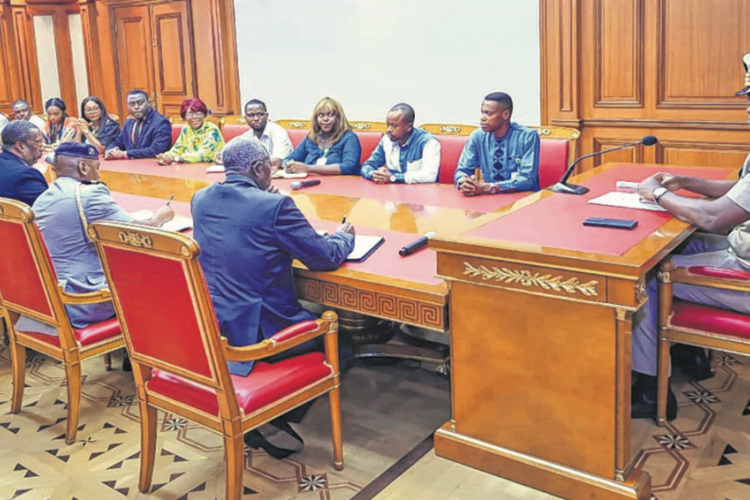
<point x="440" y="56"/>
<point x="46" y="53"/>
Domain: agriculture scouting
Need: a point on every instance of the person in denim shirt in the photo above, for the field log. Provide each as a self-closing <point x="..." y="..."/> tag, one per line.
<point x="331" y="148"/>
<point x="405" y="154"/>
<point x="507" y="153"/>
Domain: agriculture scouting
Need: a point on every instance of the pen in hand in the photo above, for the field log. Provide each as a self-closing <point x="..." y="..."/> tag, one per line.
<point x="171" y="197"/>
<point x="343" y="221"/>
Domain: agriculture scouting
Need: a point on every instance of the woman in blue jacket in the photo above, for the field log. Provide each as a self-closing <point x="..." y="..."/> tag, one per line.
<point x="331" y="148"/>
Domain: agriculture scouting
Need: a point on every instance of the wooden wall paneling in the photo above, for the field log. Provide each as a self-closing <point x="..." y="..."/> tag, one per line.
<point x="9" y="87"/>
<point x="627" y="155"/>
<point x="91" y="47"/>
<point x="134" y="55"/>
<point x="105" y="57"/>
<point x="26" y="54"/>
<point x="699" y="43"/>
<point x="174" y="64"/>
<point x="619" y="62"/>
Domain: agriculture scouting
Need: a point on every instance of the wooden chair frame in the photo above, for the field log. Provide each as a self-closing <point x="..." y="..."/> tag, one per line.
<point x="668" y="275"/>
<point x="294" y="124"/>
<point x="553" y="132"/>
<point x="231" y="422"/>
<point x="448" y="128"/>
<point x="70" y="352"/>
<point x="233" y="120"/>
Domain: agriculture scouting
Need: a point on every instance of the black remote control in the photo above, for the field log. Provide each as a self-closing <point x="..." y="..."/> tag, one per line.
<point x="613" y="223"/>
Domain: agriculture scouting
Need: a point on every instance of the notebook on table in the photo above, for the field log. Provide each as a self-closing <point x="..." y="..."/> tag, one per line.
<point x="626" y="200"/>
<point x="178" y="223"/>
<point x="281" y="174"/>
<point x="364" y="246"/>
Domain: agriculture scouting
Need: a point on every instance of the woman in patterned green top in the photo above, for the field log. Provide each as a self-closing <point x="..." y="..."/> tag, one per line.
<point x="199" y="142"/>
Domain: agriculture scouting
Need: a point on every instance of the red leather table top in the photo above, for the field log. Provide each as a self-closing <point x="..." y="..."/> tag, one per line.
<point x="420" y="267"/>
<point x="441" y="195"/>
<point x="557" y="221"/>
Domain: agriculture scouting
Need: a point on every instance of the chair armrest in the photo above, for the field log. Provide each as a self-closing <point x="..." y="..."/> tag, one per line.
<point x="284" y="340"/>
<point x="712" y="277"/>
<point x="80" y="299"/>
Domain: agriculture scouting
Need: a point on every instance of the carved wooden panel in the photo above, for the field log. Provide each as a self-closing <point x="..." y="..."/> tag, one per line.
<point x="173" y="55"/>
<point x="26" y="53"/>
<point x="631" y="154"/>
<point x="699" y="47"/>
<point x="619" y="70"/>
<point x="6" y="84"/>
<point x="134" y="52"/>
<point x="379" y="304"/>
<point x="701" y="153"/>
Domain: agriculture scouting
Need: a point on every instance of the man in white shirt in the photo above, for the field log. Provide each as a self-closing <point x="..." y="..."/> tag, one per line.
<point x="3" y="122"/>
<point x="405" y="154"/>
<point x="272" y="136"/>
<point x="22" y="111"/>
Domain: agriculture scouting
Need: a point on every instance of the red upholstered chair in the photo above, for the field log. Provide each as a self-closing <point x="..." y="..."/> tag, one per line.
<point x="553" y="160"/>
<point x="696" y="324"/>
<point x="28" y="286"/>
<point x="450" y="151"/>
<point x="180" y="360"/>
<point x="296" y="136"/>
<point x="233" y="126"/>
<point x="369" y="141"/>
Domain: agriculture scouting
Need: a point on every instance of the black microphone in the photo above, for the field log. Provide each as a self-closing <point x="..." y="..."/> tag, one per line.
<point x="564" y="187"/>
<point x="417" y="245"/>
<point x="303" y="184"/>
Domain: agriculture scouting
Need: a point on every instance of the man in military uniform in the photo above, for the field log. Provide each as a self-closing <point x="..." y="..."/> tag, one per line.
<point x="63" y="227"/>
<point x="725" y="209"/>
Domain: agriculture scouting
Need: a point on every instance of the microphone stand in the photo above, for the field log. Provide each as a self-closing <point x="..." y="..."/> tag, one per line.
<point x="563" y="187"/>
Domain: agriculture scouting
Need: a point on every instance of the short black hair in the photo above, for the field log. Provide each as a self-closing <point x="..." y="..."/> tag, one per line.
<point x="57" y="102"/>
<point x="21" y="101"/>
<point x="17" y="130"/>
<point x="406" y="110"/>
<point x="137" y="92"/>
<point x="500" y="98"/>
<point x="256" y="102"/>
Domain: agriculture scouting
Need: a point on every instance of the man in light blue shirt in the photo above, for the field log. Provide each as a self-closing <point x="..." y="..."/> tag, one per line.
<point x="405" y="154"/>
<point x="506" y="153"/>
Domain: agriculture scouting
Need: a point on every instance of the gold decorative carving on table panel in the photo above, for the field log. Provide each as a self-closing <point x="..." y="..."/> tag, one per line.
<point x="136" y="239"/>
<point x="528" y="279"/>
<point x="373" y="303"/>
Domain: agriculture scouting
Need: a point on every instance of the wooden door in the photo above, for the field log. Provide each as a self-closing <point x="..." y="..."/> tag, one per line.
<point x="134" y="52"/>
<point x="173" y="56"/>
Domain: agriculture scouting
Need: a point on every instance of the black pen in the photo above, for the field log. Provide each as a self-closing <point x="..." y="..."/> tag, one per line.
<point x="171" y="197"/>
<point x="343" y="221"/>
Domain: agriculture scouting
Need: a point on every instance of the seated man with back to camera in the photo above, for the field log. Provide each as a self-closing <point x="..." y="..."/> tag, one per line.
<point x="405" y="154"/>
<point x="249" y="236"/>
<point x="506" y="152"/>
<point x="63" y="230"/>
<point x="145" y="134"/>
<point x="725" y="209"/>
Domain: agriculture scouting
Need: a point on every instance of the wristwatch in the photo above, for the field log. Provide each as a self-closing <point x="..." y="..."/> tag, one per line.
<point x="659" y="192"/>
<point x="494" y="189"/>
<point x="393" y="178"/>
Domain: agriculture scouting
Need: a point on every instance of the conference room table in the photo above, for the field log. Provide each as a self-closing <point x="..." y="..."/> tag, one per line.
<point x="540" y="308"/>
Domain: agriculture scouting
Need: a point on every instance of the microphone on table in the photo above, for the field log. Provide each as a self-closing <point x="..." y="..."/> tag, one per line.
<point x="303" y="184"/>
<point x="564" y="187"/>
<point x="416" y="245"/>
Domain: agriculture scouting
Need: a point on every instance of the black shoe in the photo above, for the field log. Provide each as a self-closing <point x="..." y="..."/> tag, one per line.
<point x="126" y="366"/>
<point x="643" y="399"/>
<point x="254" y="439"/>
<point x="692" y="361"/>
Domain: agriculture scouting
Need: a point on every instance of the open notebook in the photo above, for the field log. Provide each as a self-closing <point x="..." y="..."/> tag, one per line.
<point x="626" y="200"/>
<point x="364" y="246"/>
<point x="281" y="174"/>
<point x="177" y="224"/>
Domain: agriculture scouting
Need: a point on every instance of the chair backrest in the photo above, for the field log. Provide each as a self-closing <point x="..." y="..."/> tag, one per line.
<point x="553" y="160"/>
<point x="570" y="134"/>
<point x="162" y="302"/>
<point x="368" y="126"/>
<point x="448" y="128"/>
<point x="176" y="130"/>
<point x="450" y="151"/>
<point x="233" y="126"/>
<point x="369" y="141"/>
<point x="28" y="284"/>
<point x="294" y="124"/>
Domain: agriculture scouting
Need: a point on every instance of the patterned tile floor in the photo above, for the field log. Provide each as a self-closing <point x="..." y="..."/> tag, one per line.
<point x="387" y="411"/>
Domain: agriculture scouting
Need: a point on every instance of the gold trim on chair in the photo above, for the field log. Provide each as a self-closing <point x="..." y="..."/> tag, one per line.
<point x="294" y="124"/>
<point x="448" y="128"/>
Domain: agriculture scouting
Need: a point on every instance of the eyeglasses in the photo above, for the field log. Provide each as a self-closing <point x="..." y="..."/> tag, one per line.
<point x="36" y="144"/>
<point x="194" y="114"/>
<point x="253" y="116"/>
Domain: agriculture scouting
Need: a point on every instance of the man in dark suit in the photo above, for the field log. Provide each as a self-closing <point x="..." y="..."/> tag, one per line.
<point x="249" y="236"/>
<point x="22" y="148"/>
<point x="145" y="134"/>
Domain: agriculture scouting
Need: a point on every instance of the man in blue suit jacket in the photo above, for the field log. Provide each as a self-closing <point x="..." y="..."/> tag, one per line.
<point x="145" y="134"/>
<point x="22" y="148"/>
<point x="249" y="236"/>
